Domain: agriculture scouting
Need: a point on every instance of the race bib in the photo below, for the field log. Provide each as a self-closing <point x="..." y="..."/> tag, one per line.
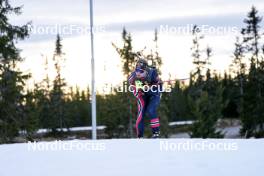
<point x="139" y="84"/>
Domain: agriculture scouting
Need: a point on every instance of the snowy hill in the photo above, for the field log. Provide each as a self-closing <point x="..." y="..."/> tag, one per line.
<point x="125" y="157"/>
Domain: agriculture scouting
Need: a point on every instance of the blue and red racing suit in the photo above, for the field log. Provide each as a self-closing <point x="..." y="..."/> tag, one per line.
<point x="148" y="99"/>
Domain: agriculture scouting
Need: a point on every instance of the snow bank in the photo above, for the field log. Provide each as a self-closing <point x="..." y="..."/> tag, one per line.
<point x="77" y="129"/>
<point x="132" y="157"/>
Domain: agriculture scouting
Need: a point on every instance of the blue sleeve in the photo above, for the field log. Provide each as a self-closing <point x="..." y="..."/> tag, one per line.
<point x="154" y="76"/>
<point x="132" y="77"/>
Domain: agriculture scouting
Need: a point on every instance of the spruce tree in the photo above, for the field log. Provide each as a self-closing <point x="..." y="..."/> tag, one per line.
<point x="253" y="103"/>
<point x="31" y="114"/>
<point x="205" y="92"/>
<point x="207" y="111"/>
<point x="154" y="57"/>
<point x="198" y="61"/>
<point x="128" y="58"/>
<point x="57" y="95"/>
<point x="251" y="35"/>
<point x="42" y="99"/>
<point x="234" y="82"/>
<point x="12" y="80"/>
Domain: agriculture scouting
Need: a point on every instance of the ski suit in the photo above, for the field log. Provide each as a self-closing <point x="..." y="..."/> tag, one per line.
<point x="148" y="100"/>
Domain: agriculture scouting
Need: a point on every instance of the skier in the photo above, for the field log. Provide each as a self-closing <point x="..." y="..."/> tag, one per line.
<point x="146" y="87"/>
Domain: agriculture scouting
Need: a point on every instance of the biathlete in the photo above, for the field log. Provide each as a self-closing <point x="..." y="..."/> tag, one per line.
<point x="147" y="87"/>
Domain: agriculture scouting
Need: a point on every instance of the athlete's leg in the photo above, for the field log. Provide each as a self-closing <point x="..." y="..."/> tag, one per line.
<point x="140" y="116"/>
<point x="151" y="111"/>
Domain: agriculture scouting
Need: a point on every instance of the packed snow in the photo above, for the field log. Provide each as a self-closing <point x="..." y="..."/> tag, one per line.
<point x="134" y="157"/>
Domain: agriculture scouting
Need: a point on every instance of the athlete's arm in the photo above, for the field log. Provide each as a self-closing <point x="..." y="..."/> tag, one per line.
<point x="131" y="80"/>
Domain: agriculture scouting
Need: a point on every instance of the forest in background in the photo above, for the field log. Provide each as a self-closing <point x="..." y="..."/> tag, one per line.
<point x="207" y="98"/>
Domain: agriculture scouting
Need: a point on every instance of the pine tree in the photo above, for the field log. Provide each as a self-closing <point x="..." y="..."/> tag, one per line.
<point x="205" y="93"/>
<point x="201" y="63"/>
<point x="76" y="110"/>
<point x="239" y="66"/>
<point x="31" y="114"/>
<point x="57" y="94"/>
<point x="154" y="57"/>
<point x="42" y="99"/>
<point x="42" y="102"/>
<point x="231" y="97"/>
<point x="253" y="100"/>
<point x="126" y="53"/>
<point x="207" y="111"/>
<point x="251" y="35"/>
<point x="235" y="81"/>
<point x="128" y="58"/>
<point x="11" y="79"/>
<point x="198" y="61"/>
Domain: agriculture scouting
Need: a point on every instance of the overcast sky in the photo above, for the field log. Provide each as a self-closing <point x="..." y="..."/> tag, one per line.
<point x="172" y="18"/>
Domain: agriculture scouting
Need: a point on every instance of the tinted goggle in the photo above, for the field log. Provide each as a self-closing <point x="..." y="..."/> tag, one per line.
<point x="141" y="65"/>
<point x="140" y="70"/>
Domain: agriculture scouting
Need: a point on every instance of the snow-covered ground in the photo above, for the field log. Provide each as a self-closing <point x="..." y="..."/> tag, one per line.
<point x="133" y="157"/>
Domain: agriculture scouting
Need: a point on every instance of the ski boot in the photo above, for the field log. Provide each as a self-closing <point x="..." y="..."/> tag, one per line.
<point x="156" y="135"/>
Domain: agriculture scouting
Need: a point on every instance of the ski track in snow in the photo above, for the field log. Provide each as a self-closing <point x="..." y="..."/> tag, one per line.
<point x="131" y="157"/>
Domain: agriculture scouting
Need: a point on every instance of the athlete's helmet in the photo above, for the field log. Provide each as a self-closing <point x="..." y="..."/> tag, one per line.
<point x="141" y="64"/>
